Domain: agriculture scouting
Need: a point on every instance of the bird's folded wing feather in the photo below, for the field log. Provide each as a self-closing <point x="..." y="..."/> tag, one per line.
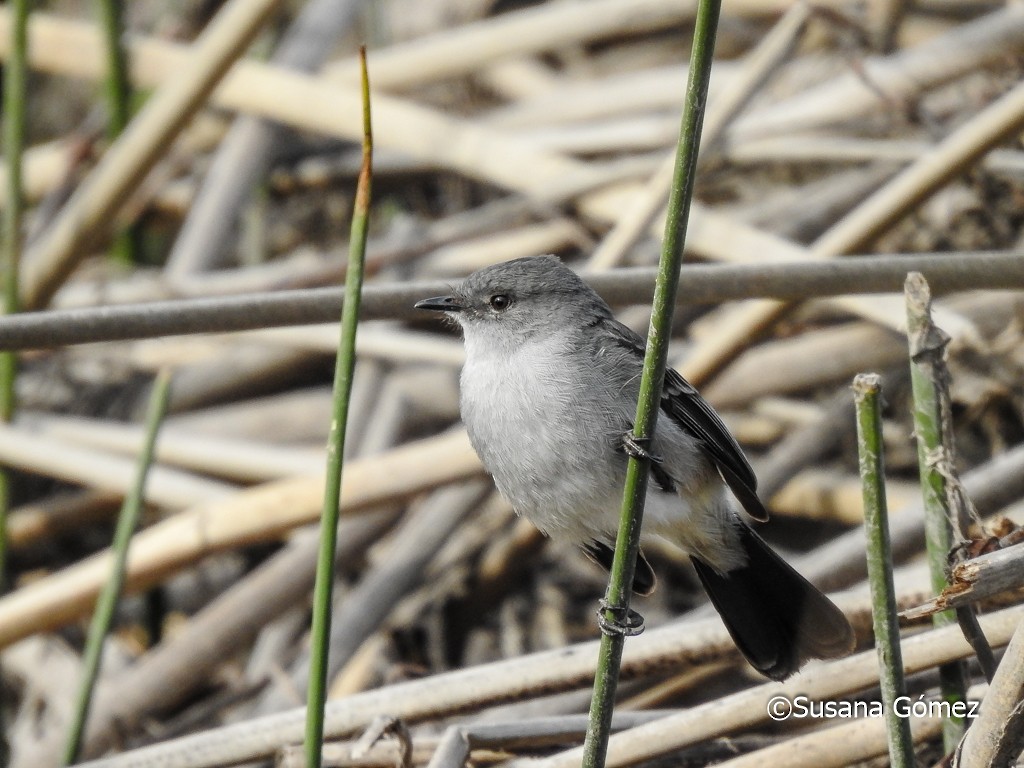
<point x="681" y="402"/>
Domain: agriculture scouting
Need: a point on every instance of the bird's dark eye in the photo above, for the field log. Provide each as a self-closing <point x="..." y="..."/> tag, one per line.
<point x="500" y="302"/>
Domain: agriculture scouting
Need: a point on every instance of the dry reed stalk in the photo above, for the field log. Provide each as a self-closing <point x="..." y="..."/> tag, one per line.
<point x="551" y="236"/>
<point x="263" y="513"/>
<point x="816" y="494"/>
<point x="231" y="459"/>
<point x="990" y="486"/>
<point x="952" y="156"/>
<point x="44" y="520"/>
<point x="44" y="168"/>
<point x="572" y="101"/>
<point x="294" y="416"/>
<point x="103" y="471"/>
<point x="460" y="51"/>
<point x="837" y="148"/>
<point x="282" y="95"/>
<point x="133" y="154"/>
<point x="662" y="649"/>
<point x="820" y="682"/>
<point x="723" y="107"/>
<point x="836" y="746"/>
<point x="997" y="736"/>
<point x="800" y="363"/>
<point x="183" y="662"/>
<point x="377" y="341"/>
<point x="877" y="83"/>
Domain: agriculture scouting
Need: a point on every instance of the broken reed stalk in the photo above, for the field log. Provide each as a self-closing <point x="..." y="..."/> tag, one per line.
<point x="344" y="367"/>
<point x="106" y="604"/>
<point x="616" y="606"/>
<point x="997" y="736"/>
<point x="866" y="390"/>
<point x="976" y="579"/>
<point x="928" y="378"/>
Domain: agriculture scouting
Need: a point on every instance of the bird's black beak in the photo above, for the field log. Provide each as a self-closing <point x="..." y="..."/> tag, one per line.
<point x="441" y="304"/>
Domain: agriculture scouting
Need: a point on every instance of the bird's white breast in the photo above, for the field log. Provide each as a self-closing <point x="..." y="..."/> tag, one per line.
<point x="523" y="411"/>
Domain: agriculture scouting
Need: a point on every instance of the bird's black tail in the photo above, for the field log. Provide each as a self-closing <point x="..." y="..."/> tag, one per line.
<point x="776" y="617"/>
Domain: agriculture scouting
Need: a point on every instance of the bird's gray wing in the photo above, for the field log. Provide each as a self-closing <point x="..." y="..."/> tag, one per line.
<point x="681" y="402"/>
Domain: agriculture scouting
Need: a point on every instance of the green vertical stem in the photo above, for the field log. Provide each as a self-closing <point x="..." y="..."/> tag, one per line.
<point x="866" y="391"/>
<point x="15" y="107"/>
<point x="14" y="118"/>
<point x="106" y="604"/>
<point x="928" y="380"/>
<point x="655" y="359"/>
<point x="117" y="86"/>
<point x="118" y="94"/>
<point x="322" y="592"/>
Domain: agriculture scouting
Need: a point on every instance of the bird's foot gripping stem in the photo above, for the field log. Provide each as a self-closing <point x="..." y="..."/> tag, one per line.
<point x="637" y="448"/>
<point x="625" y="622"/>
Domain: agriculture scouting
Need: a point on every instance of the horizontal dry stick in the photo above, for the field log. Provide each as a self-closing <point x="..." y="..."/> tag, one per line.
<point x="840" y="561"/>
<point x="297" y="269"/>
<point x="800" y="363"/>
<point x="62" y="46"/>
<point x="74" y="48"/>
<point x="246" y="461"/>
<point x="292" y="416"/>
<point x="837" y="352"/>
<point x="723" y="238"/>
<point x="460" y="258"/>
<point x="575" y="101"/>
<point x="888" y="82"/>
<point x="391" y="344"/>
<point x="976" y="579"/>
<point x="44" y="168"/>
<point x="534" y="732"/>
<point x="24" y="450"/>
<point x="901" y="77"/>
<point x="817" y="494"/>
<point x="668" y="648"/>
<point x="819" y="683"/>
<point x="723" y="106"/>
<point x="700" y="284"/>
<point x="835" y="747"/>
<point x="837" y="148"/>
<point x="464" y="146"/>
<point x="144" y="140"/>
<point x="951" y="157"/>
<point x="50" y="517"/>
<point x="262" y="513"/>
<point x="184" y="661"/>
<point x="419" y="132"/>
<point x="534" y="30"/>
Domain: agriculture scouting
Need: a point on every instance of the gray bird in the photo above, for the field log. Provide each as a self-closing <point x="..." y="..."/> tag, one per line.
<point x="548" y="396"/>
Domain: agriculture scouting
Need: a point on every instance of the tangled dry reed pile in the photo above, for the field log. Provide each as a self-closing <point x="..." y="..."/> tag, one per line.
<point x="502" y="129"/>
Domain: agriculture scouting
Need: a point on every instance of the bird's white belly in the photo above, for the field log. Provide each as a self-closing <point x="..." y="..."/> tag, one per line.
<point x="554" y="467"/>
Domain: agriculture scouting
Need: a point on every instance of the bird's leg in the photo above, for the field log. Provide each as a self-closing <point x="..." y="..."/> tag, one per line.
<point x="625" y="622"/>
<point x="637" y="447"/>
